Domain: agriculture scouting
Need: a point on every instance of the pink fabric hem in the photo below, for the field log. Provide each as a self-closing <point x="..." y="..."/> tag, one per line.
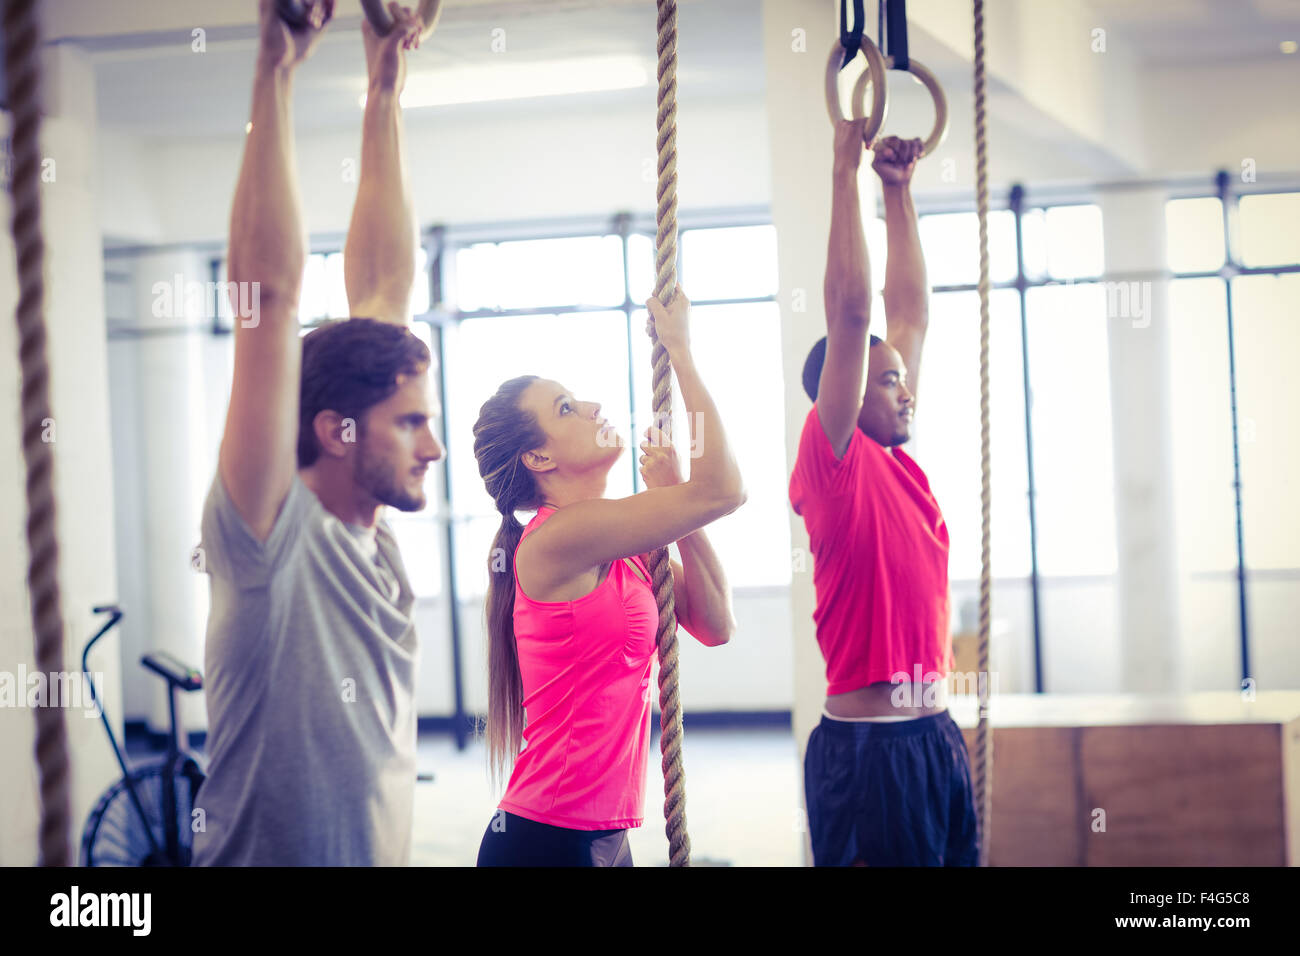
<point x="552" y="820"/>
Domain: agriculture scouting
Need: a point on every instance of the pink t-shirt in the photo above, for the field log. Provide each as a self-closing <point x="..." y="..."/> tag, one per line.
<point x="880" y="560"/>
<point x="586" y="674"/>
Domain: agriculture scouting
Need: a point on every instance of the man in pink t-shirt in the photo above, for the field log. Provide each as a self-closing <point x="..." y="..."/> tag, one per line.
<point x="886" y="775"/>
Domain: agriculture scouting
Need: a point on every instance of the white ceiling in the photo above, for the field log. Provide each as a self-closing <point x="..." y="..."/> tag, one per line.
<point x="158" y="87"/>
<point x="151" y="84"/>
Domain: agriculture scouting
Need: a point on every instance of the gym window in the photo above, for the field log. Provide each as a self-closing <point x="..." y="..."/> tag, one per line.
<point x="1235" y="282"/>
<point x="571" y="308"/>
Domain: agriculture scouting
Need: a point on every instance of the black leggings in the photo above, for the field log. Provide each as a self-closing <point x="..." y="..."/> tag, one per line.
<point x="512" y="840"/>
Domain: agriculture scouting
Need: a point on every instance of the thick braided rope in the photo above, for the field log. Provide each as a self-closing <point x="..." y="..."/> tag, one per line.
<point x="983" y="733"/>
<point x="23" y="74"/>
<point x="661" y="572"/>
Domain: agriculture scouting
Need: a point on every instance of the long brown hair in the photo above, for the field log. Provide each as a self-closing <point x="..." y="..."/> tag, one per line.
<point x="502" y="434"/>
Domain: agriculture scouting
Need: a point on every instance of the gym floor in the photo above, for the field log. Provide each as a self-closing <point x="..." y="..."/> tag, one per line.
<point x="742" y="805"/>
<point x="742" y="801"/>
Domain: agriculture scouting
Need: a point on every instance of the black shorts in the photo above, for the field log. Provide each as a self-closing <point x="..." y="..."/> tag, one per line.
<point x="512" y="840"/>
<point x="896" y="793"/>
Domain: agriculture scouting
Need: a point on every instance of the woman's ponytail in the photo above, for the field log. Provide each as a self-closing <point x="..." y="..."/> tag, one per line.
<point x="502" y="434"/>
<point x="505" y="723"/>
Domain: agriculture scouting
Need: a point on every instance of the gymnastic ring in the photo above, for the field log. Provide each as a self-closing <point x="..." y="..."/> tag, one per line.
<point x="294" y="13"/>
<point x="879" y="93"/>
<point x="940" y="131"/>
<point x="429" y="12"/>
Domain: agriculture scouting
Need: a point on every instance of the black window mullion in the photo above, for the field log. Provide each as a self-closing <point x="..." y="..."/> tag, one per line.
<point x="1226" y="201"/>
<point x="1016" y="204"/>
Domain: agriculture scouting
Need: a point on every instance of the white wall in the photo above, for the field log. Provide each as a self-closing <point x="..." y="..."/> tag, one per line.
<point x="129" y="207"/>
<point x="1219" y="114"/>
<point x="512" y="168"/>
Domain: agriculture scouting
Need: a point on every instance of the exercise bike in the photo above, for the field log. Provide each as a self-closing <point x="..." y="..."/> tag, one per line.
<point x="144" y="818"/>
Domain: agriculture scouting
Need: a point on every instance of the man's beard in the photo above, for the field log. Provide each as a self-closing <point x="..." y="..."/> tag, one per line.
<point x="377" y="478"/>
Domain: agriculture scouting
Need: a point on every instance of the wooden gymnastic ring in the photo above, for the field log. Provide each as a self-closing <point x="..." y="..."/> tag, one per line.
<point x="429" y="11"/>
<point x="940" y="131"/>
<point x="875" y="74"/>
<point x="294" y="13"/>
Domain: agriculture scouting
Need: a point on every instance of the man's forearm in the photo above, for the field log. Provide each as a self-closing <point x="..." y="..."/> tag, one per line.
<point x="379" y="258"/>
<point x="267" y="242"/>
<point x="906" y="292"/>
<point x="847" y="287"/>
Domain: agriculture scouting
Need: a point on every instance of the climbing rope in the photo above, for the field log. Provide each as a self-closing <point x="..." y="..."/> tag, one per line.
<point x="22" y="56"/>
<point x="661" y="572"/>
<point x="983" y="735"/>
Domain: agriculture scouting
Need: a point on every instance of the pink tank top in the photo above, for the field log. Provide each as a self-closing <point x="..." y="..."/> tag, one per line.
<point x="586" y="676"/>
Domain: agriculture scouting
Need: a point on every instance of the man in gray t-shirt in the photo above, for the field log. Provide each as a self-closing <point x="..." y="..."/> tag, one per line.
<point x="311" y="654"/>
<point x="310" y="668"/>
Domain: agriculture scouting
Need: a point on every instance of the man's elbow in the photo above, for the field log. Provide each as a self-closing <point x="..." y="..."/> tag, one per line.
<point x="281" y="286"/>
<point x="853" y="319"/>
<point x="908" y="304"/>
<point x="388" y="311"/>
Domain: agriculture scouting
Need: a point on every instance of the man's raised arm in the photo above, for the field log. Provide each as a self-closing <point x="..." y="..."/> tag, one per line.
<point x="379" y="256"/>
<point x="907" y="291"/>
<point x="267" y="254"/>
<point x="847" y="295"/>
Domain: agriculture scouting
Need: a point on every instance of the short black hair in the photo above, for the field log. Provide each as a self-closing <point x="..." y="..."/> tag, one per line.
<point x="348" y="366"/>
<point x="812" y="366"/>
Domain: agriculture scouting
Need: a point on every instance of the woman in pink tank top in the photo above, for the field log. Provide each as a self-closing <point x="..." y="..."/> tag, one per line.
<point x="571" y="616"/>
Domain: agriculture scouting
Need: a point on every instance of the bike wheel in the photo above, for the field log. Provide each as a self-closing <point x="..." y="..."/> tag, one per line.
<point x="115" y="834"/>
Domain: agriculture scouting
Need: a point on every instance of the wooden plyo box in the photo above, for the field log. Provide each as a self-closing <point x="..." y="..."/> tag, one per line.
<point x="1205" y="779"/>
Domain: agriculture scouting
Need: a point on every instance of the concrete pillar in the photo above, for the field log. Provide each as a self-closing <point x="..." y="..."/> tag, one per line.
<point x="84" y="491"/>
<point x="797" y="37"/>
<point x="172" y="462"/>
<point x="1138" y="323"/>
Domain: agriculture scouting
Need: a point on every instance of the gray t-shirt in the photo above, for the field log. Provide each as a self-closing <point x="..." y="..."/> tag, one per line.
<point x="309" y="675"/>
